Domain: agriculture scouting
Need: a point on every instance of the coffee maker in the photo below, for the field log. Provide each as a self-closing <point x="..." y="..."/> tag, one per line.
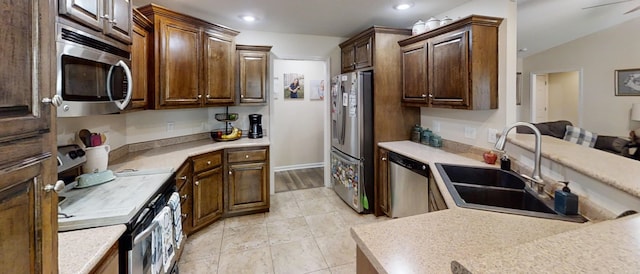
<point x="255" y="129"/>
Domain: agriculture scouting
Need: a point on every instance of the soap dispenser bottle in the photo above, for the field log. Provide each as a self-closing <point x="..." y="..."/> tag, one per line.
<point x="565" y="202"/>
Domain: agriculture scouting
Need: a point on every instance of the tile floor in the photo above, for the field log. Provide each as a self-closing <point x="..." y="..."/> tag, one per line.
<point x="306" y="231"/>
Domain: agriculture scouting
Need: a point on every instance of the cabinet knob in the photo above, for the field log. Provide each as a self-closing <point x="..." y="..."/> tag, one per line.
<point x="106" y="17"/>
<point x="208" y="162"/>
<point x="241" y="96"/>
<point x="230" y="172"/>
<point x="430" y="95"/>
<point x="384" y="158"/>
<point x="246" y="156"/>
<point x="56" y="100"/>
<point x="197" y="183"/>
<point x="184" y="197"/>
<point x="184" y="215"/>
<point x="199" y="96"/>
<point x="424" y="95"/>
<point x="59" y="186"/>
<point x="208" y="96"/>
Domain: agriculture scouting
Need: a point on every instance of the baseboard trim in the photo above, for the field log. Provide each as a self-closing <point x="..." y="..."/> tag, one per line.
<point x="300" y="166"/>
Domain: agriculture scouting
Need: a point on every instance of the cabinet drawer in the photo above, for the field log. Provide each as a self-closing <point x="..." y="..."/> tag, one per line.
<point x="247" y="155"/>
<point x="207" y="161"/>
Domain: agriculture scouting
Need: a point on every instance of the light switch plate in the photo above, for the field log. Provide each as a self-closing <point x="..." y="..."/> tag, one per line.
<point x="491" y="135"/>
<point x="470" y="132"/>
<point x="436" y="126"/>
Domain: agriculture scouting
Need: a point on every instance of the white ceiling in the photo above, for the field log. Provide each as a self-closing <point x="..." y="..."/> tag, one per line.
<point x="542" y="24"/>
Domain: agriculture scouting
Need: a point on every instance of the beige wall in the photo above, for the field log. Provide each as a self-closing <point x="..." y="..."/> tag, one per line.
<point x="453" y="122"/>
<point x="563" y="96"/>
<point x="598" y="56"/>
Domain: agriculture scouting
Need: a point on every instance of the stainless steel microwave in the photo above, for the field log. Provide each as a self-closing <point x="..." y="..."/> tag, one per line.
<point x="93" y="75"/>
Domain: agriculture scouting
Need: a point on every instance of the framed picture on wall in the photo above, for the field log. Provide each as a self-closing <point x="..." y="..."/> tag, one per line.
<point x="518" y="88"/>
<point x="317" y="90"/>
<point x="293" y="86"/>
<point x="627" y="82"/>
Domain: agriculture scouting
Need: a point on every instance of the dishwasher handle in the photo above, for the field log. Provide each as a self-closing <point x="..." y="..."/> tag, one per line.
<point x="410" y="164"/>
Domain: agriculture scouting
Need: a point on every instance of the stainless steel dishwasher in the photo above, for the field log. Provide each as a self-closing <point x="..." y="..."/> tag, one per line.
<point x="409" y="181"/>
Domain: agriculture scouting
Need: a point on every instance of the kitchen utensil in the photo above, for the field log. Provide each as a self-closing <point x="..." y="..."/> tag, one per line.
<point x="97" y="159"/>
<point x="95" y="140"/>
<point x="92" y="179"/>
<point x="85" y="136"/>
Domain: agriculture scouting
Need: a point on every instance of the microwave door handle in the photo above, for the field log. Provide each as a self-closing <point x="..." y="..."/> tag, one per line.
<point x="121" y="105"/>
<point x="145" y="233"/>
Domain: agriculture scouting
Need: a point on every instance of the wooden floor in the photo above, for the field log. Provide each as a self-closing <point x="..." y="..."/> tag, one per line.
<point x="299" y="179"/>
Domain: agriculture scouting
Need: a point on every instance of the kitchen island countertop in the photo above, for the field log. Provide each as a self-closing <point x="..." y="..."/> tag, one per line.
<point x="475" y="241"/>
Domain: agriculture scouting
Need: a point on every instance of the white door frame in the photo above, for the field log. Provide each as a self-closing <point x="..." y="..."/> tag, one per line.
<point x="532" y="91"/>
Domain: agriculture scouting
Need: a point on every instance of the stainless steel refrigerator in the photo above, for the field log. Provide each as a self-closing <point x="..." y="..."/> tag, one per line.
<point x="352" y="139"/>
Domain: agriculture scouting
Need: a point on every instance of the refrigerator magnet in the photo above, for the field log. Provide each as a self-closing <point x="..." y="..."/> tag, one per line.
<point x="345" y="99"/>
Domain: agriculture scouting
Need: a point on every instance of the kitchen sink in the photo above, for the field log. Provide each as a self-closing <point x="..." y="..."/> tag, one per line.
<point x="497" y="190"/>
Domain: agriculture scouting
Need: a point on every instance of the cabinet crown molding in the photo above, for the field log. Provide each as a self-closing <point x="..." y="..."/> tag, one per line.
<point x="375" y="29"/>
<point x="153" y="9"/>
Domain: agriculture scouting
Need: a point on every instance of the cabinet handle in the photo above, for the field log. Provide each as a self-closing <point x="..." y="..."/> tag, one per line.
<point x="197" y="183"/>
<point x="106" y="17"/>
<point x="184" y="178"/>
<point x="184" y="215"/>
<point x="59" y="186"/>
<point x="56" y="100"/>
<point x="384" y="158"/>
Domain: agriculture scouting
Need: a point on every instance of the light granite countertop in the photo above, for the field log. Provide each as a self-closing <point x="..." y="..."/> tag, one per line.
<point x="615" y="170"/>
<point x="80" y="250"/>
<point x="475" y="241"/>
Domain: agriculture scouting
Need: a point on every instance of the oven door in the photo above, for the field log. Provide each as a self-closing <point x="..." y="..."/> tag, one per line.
<point x="91" y="81"/>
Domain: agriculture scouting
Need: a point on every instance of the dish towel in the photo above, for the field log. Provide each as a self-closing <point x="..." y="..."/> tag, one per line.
<point x="174" y="204"/>
<point x="163" y="242"/>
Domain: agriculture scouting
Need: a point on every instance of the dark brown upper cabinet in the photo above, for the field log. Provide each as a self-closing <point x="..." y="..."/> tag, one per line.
<point x="253" y="65"/>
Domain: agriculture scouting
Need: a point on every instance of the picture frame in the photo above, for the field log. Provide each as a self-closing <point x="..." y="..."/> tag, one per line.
<point x="627" y="82"/>
<point x="293" y="86"/>
<point x="519" y="83"/>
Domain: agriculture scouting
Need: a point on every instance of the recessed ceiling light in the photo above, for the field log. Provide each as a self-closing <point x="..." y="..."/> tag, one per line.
<point x="248" y="18"/>
<point x="403" y="6"/>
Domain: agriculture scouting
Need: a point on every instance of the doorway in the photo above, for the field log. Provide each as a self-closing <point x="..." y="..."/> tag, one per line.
<point x="556" y="96"/>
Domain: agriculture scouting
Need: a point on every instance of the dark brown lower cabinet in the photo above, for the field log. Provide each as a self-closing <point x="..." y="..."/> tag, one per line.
<point x="207" y="196"/>
<point x="247" y="181"/>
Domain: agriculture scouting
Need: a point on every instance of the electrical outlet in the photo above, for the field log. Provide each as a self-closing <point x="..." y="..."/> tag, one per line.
<point x="170" y="126"/>
<point x="470" y="132"/>
<point x="492" y="135"/>
<point x="436" y="126"/>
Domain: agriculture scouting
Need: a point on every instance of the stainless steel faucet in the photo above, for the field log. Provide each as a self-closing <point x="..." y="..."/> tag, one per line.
<point x="535" y="175"/>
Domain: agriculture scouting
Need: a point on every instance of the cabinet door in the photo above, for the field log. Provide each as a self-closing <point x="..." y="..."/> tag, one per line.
<point x="139" y="67"/>
<point x="383" y="182"/>
<point x="87" y="12"/>
<point x="207" y="196"/>
<point x="253" y="76"/>
<point x="26" y="230"/>
<point x="414" y="74"/>
<point x="449" y="69"/>
<point x="218" y="70"/>
<point x="118" y="23"/>
<point x="363" y="53"/>
<point x="247" y="187"/>
<point x="26" y="68"/>
<point x="179" y="64"/>
<point x="348" y="58"/>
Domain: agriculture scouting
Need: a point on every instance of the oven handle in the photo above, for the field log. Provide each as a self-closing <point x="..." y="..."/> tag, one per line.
<point x="144" y="234"/>
<point x="121" y="105"/>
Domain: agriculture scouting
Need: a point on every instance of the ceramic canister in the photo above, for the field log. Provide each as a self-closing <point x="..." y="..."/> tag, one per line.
<point x="418" y="27"/>
<point x="97" y="159"/>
